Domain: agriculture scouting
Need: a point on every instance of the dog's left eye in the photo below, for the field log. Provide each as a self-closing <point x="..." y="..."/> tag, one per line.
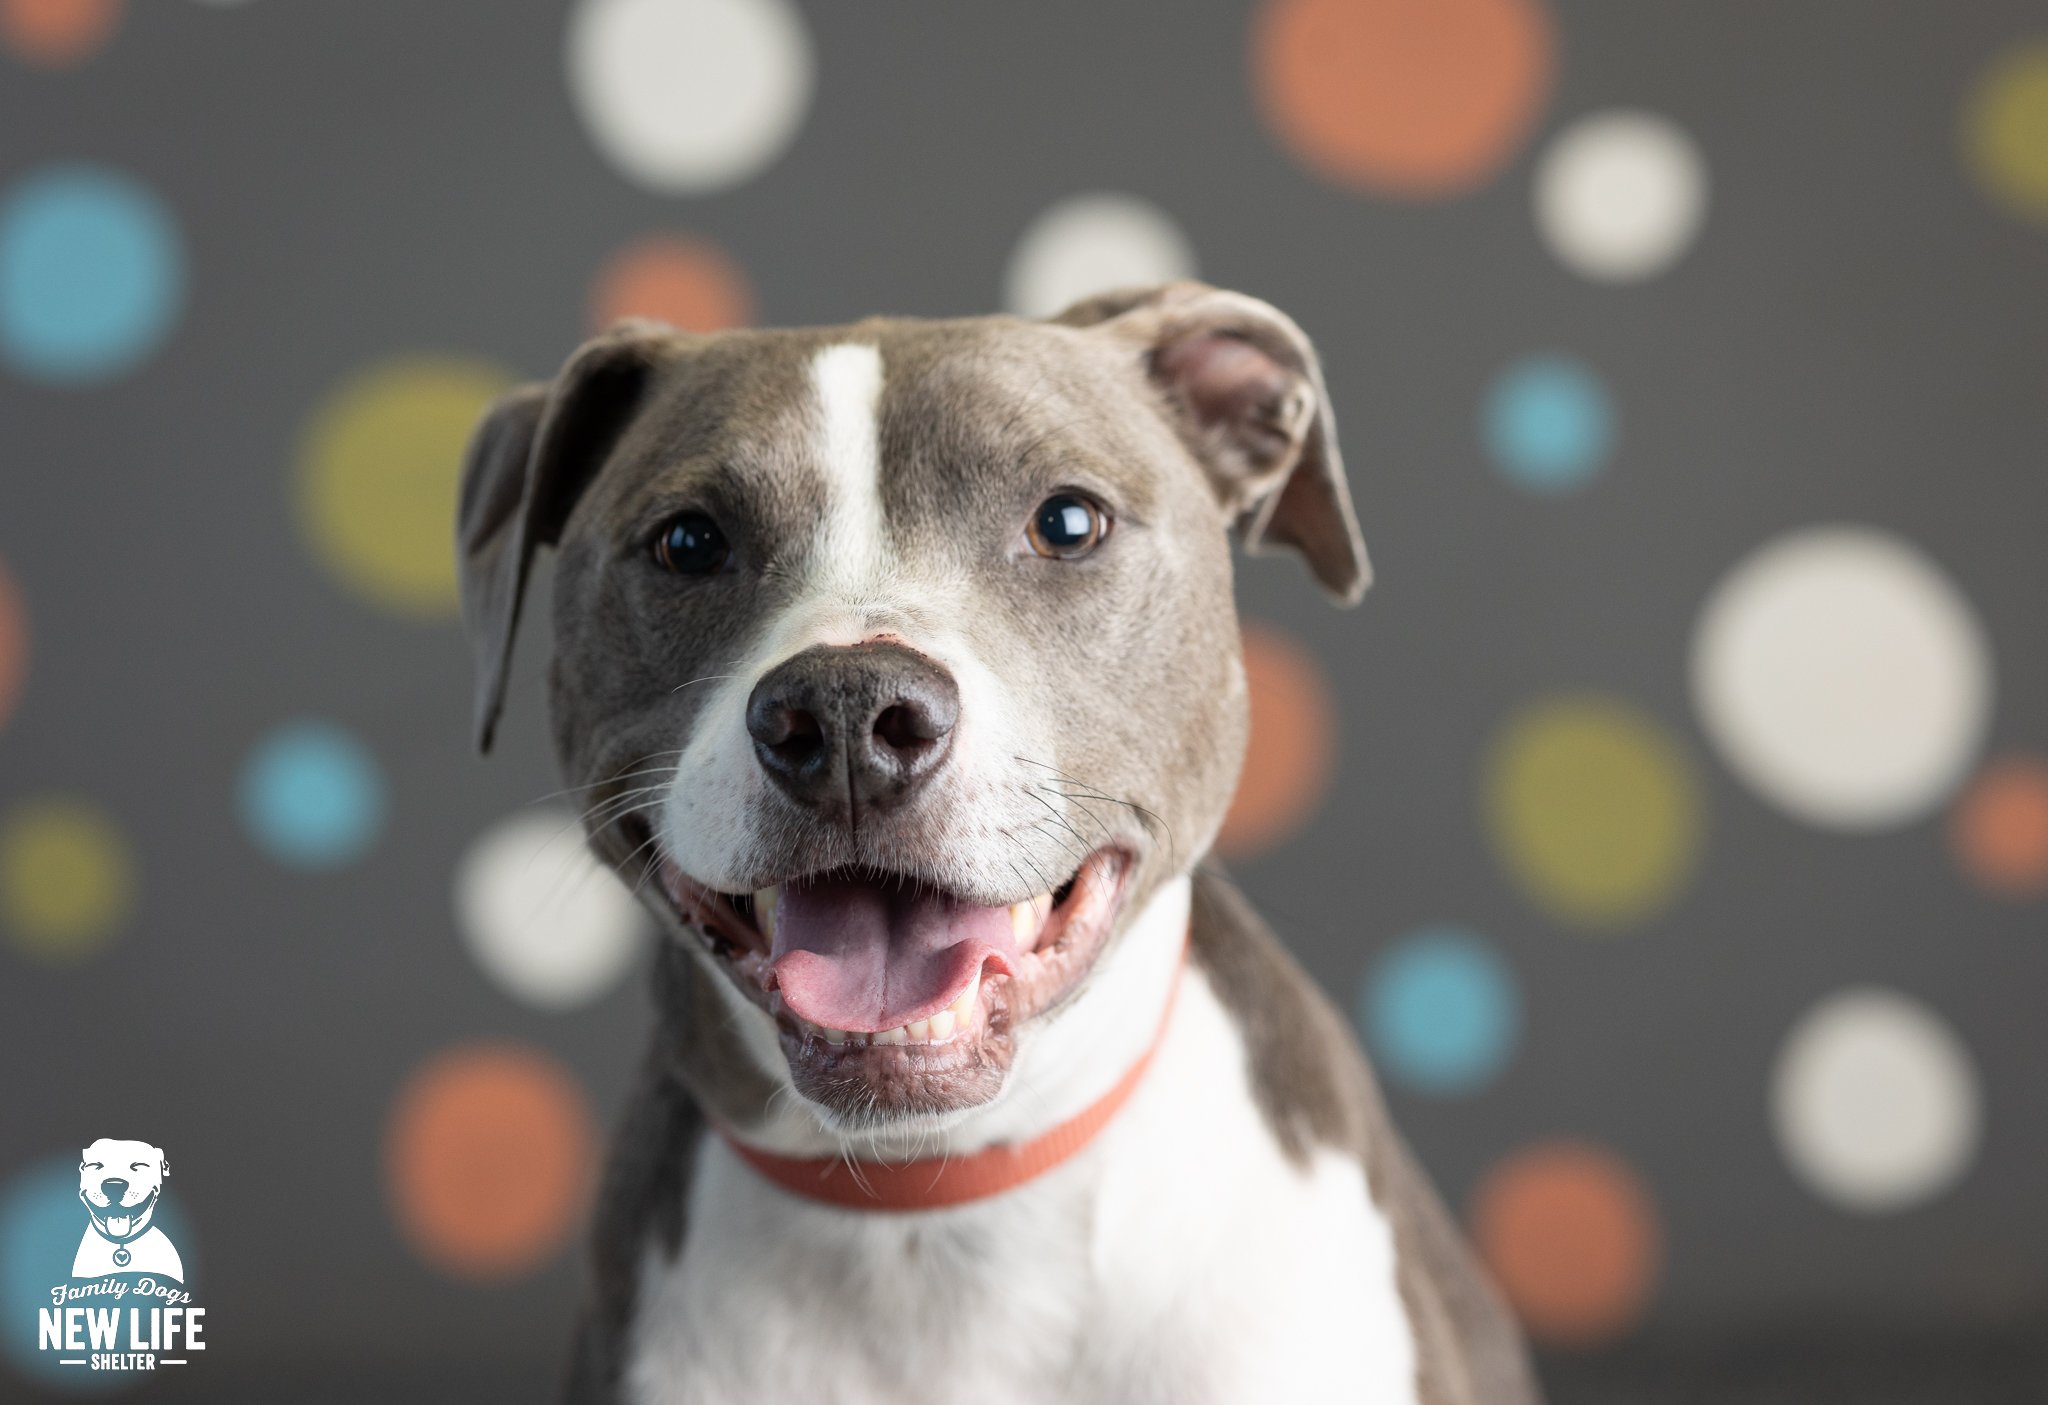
<point x="1066" y="525"/>
<point x="691" y="545"/>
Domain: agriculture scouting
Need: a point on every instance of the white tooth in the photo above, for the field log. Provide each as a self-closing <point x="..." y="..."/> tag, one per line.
<point x="764" y="911"/>
<point x="942" y="1026"/>
<point x="899" y="1035"/>
<point x="1027" y="919"/>
<point x="962" y="1009"/>
<point x="920" y="1031"/>
<point x="835" y="1036"/>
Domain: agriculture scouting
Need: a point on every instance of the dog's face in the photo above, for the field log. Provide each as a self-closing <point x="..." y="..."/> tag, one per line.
<point x="119" y="1182"/>
<point x="900" y="660"/>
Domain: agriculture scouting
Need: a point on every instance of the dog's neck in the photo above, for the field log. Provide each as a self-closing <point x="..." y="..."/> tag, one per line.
<point x="1074" y="1058"/>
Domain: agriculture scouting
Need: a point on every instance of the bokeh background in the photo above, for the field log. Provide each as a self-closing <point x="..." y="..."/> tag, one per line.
<point x="1673" y="816"/>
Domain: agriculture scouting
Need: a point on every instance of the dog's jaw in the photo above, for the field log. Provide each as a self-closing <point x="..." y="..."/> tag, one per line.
<point x="944" y="1062"/>
<point x="1061" y="1060"/>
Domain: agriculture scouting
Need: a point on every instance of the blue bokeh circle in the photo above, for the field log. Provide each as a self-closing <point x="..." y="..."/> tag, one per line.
<point x="92" y="273"/>
<point x="312" y="796"/>
<point x="1548" y="423"/>
<point x="1440" y="1012"/>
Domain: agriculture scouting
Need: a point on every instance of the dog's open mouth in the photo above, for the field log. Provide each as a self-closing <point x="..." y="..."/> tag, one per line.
<point x="118" y="1222"/>
<point x="896" y="995"/>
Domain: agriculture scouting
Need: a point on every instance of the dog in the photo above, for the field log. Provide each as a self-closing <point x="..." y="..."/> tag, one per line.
<point x="119" y="1183"/>
<point x="898" y="666"/>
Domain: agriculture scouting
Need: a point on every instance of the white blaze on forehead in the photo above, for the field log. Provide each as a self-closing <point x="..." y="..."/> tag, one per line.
<point x="846" y="381"/>
<point x="720" y="816"/>
<point x="707" y="815"/>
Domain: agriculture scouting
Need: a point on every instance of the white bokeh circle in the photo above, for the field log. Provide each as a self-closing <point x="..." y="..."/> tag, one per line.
<point x="684" y="96"/>
<point x="1843" y="676"/>
<point x="1620" y="196"/>
<point x="1088" y="244"/>
<point x="1875" y="1101"/>
<point x="547" y="923"/>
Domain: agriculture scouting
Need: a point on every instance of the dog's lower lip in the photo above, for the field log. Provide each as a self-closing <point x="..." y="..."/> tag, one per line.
<point x="740" y="928"/>
<point x="918" y="1068"/>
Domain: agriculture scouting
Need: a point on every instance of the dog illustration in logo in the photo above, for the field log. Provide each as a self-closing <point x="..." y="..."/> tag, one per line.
<point x="119" y="1182"/>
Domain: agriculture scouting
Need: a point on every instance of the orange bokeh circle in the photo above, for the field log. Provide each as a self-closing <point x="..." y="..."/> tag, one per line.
<point x="56" y="33"/>
<point x="685" y="282"/>
<point x="1571" y="1236"/>
<point x="1418" y="99"/>
<point x="1999" y="829"/>
<point x="13" y="645"/>
<point x="1293" y="747"/>
<point x="488" y="1155"/>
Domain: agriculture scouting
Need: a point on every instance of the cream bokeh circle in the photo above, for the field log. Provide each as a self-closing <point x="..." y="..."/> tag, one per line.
<point x="688" y="96"/>
<point x="1620" y="196"/>
<point x="1875" y="1101"/>
<point x="1088" y="244"/>
<point x="548" y="923"/>
<point x="1843" y="676"/>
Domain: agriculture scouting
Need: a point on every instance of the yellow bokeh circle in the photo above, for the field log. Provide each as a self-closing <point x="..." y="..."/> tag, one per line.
<point x="379" y="475"/>
<point x="65" y="880"/>
<point x="1594" y="809"/>
<point x="2005" y="129"/>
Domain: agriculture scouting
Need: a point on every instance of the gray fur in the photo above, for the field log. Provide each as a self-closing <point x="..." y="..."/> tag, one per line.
<point x="1189" y="412"/>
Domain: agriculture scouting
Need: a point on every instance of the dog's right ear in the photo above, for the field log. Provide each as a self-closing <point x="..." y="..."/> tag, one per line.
<point x="536" y="451"/>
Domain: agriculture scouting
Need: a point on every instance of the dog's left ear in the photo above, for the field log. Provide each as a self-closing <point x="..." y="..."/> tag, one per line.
<point x="1245" y="389"/>
<point x="536" y="451"/>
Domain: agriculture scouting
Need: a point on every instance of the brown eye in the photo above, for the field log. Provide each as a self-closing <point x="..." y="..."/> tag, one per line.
<point x="1065" y="526"/>
<point x="691" y="545"/>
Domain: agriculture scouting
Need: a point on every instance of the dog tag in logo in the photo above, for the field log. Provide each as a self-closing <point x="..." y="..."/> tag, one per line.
<point x="122" y="1256"/>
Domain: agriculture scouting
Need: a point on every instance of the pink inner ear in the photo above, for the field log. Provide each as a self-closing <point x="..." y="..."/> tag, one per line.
<point x="1223" y="378"/>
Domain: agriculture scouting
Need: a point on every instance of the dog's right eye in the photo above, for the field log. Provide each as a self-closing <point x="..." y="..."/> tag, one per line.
<point x="1066" y="526"/>
<point x="691" y="545"/>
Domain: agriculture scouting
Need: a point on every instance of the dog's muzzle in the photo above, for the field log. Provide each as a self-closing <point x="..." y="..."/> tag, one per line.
<point x="115" y="1220"/>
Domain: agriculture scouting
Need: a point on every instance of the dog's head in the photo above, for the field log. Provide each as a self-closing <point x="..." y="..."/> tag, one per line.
<point x="900" y="659"/>
<point x="119" y="1182"/>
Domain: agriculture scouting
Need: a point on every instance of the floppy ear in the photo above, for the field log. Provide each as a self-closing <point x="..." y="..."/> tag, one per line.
<point x="536" y="450"/>
<point x="1245" y="390"/>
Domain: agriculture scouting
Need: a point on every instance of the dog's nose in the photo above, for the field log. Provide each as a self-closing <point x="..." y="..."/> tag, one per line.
<point x="845" y="728"/>
<point x="113" y="1188"/>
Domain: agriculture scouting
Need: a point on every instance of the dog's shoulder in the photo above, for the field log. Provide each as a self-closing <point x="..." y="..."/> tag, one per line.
<point x="1310" y="1082"/>
<point x="1315" y="1092"/>
<point x="642" y="1203"/>
<point x="640" y="1209"/>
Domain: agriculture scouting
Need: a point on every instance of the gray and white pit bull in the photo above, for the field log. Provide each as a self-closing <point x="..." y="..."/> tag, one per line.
<point x="899" y="667"/>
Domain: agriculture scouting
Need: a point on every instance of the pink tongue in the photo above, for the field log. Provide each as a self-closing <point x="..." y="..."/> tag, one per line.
<point x="868" y="956"/>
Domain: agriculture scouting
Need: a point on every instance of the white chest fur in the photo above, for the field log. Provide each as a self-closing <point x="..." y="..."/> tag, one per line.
<point x="1180" y="1258"/>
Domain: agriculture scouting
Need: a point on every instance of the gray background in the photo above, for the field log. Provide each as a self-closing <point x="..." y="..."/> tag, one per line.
<point x="1858" y="335"/>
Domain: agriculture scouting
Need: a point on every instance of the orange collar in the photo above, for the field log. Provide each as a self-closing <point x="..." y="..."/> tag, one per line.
<point x="939" y="1183"/>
